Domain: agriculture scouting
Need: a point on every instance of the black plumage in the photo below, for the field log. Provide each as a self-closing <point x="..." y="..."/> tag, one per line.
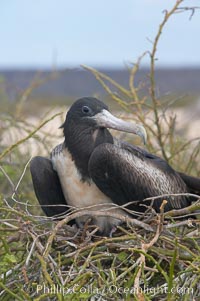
<point x="91" y="167"/>
<point x="47" y="187"/>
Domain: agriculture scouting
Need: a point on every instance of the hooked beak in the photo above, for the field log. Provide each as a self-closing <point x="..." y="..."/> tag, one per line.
<point x="107" y="120"/>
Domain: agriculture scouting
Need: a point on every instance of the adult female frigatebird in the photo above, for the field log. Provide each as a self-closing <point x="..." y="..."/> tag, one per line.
<point x="92" y="168"/>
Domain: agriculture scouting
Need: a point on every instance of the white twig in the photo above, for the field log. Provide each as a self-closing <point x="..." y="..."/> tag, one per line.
<point x="23" y="173"/>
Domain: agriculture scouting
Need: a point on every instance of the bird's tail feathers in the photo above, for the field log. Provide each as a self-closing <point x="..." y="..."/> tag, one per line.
<point x="193" y="183"/>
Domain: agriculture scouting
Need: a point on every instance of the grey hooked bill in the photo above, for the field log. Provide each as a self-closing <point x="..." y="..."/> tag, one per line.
<point x="107" y="120"/>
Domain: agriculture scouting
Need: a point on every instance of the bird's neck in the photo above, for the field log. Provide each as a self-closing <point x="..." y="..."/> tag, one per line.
<point x="82" y="142"/>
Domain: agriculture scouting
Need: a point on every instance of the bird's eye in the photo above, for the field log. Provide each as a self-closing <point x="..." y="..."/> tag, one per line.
<point x="86" y="109"/>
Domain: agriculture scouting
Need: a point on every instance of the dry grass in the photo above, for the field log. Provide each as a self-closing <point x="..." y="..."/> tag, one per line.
<point x="155" y="257"/>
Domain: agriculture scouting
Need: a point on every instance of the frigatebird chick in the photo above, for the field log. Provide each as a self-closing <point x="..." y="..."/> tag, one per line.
<point x="91" y="169"/>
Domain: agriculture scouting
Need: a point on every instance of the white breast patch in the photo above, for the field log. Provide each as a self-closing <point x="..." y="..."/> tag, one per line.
<point x="81" y="194"/>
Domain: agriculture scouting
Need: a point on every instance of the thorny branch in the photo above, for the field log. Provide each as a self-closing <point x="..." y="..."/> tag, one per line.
<point x="186" y="8"/>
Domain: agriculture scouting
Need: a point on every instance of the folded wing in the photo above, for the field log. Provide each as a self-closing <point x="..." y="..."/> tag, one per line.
<point x="129" y="174"/>
<point x="47" y="187"/>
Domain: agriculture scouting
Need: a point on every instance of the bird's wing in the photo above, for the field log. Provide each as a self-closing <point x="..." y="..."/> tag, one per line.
<point x="193" y="183"/>
<point x="129" y="174"/>
<point x="47" y="187"/>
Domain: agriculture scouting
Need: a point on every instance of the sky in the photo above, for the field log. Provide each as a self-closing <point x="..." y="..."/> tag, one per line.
<point x="100" y="33"/>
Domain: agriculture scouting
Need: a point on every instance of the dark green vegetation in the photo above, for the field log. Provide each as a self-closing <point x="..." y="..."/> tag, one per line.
<point x="42" y="259"/>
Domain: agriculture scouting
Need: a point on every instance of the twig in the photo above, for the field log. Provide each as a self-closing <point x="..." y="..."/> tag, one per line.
<point x="146" y="246"/>
<point x="83" y="212"/>
<point x="152" y="75"/>
<point x="192" y="9"/>
<point x="183" y="211"/>
<point x="8" y="178"/>
<point x="13" y="146"/>
<point x="21" y="177"/>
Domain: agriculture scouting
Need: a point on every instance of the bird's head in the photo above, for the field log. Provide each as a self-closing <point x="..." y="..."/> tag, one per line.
<point x="86" y="127"/>
<point x="89" y="114"/>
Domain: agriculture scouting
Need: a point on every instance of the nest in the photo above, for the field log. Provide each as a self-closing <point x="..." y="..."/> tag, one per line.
<point x="153" y="257"/>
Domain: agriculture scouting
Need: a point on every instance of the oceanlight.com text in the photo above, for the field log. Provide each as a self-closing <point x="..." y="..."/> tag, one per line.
<point x="111" y="290"/>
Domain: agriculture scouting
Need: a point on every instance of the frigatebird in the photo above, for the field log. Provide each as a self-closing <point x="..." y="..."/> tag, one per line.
<point x="91" y="167"/>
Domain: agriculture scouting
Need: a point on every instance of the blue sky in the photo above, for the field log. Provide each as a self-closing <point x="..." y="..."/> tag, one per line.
<point x="42" y="33"/>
